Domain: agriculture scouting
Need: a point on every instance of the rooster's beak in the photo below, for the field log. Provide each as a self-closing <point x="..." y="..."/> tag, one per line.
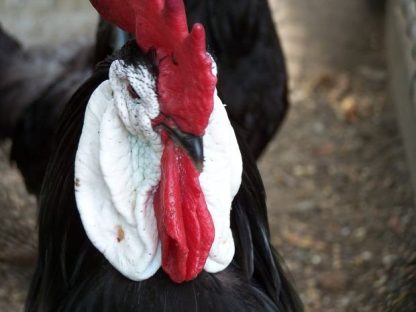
<point x="192" y="144"/>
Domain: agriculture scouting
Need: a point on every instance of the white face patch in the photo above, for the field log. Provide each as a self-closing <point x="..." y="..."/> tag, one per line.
<point x="117" y="170"/>
<point x="136" y="113"/>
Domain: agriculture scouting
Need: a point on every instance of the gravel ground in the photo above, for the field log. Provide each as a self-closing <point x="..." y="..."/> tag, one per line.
<point x="340" y="201"/>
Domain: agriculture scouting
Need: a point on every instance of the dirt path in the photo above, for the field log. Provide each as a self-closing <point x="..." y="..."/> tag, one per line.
<point x="339" y="197"/>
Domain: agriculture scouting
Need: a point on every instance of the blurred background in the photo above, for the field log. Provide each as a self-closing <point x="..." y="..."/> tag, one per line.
<point x="338" y="182"/>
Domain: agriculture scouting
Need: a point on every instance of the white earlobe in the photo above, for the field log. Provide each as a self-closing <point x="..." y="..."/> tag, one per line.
<point x="113" y="197"/>
<point x="220" y="182"/>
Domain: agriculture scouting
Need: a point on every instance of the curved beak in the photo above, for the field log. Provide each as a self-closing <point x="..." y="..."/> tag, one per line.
<point x="192" y="144"/>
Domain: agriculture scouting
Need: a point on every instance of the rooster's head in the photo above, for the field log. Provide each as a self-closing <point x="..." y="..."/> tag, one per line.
<point x="158" y="164"/>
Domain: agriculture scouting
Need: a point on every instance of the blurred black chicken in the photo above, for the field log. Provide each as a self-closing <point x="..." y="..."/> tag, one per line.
<point x="252" y="79"/>
<point x="34" y="86"/>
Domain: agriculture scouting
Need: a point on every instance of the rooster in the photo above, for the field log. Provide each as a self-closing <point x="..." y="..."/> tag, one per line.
<point x="151" y="201"/>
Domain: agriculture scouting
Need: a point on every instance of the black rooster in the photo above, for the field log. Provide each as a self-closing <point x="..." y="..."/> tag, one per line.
<point x="149" y="109"/>
<point x="72" y="275"/>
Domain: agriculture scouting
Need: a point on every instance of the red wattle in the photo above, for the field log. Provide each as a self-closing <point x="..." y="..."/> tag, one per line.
<point x="184" y="223"/>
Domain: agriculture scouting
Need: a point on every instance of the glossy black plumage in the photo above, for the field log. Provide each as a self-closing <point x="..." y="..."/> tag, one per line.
<point x="71" y="275"/>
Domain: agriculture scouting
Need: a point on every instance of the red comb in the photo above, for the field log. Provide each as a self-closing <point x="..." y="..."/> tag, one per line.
<point x="185" y="83"/>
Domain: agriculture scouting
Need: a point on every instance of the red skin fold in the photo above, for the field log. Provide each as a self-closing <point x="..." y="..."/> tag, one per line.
<point x="184" y="223"/>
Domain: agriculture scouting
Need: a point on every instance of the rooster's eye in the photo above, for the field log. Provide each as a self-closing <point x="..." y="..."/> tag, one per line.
<point x="132" y="92"/>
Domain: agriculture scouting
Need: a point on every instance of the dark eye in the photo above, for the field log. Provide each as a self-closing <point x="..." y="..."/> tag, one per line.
<point x="132" y="92"/>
